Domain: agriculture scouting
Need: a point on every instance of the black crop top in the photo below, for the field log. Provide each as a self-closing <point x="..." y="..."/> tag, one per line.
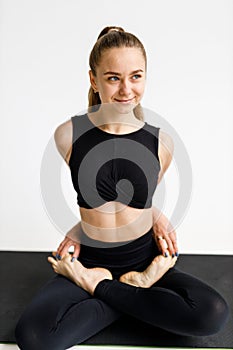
<point x="113" y="167"/>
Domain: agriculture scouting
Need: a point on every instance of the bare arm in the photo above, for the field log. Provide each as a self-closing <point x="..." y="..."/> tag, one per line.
<point x="164" y="233"/>
<point x="63" y="139"/>
<point x="166" y="149"/>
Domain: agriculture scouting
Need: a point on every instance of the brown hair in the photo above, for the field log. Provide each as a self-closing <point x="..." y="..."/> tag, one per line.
<point x="112" y="37"/>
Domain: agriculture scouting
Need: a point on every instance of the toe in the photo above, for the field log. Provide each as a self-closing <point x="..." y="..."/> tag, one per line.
<point x="52" y="261"/>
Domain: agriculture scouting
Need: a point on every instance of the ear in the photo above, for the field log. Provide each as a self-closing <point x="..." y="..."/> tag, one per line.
<point x="93" y="81"/>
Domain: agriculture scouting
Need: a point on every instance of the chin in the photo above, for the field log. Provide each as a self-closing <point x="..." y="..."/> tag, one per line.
<point x="123" y="108"/>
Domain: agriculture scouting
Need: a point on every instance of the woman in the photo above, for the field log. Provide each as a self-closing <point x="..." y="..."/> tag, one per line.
<point x="126" y="257"/>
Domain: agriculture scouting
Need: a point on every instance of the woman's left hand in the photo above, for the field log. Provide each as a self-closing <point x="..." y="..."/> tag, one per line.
<point x="165" y="236"/>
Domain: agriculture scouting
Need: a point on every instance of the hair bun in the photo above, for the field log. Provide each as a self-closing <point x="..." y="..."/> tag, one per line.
<point x="107" y="30"/>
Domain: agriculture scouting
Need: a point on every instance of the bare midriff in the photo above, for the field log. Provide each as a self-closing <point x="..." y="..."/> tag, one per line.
<point x="115" y="222"/>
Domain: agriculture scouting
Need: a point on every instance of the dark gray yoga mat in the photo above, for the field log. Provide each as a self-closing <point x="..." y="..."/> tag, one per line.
<point x="23" y="273"/>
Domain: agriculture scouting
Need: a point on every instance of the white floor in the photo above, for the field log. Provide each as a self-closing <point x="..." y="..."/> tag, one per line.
<point x="88" y="347"/>
<point x="85" y="347"/>
<point x="82" y="347"/>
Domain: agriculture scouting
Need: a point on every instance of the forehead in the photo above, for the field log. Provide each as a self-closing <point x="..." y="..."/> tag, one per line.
<point x="124" y="58"/>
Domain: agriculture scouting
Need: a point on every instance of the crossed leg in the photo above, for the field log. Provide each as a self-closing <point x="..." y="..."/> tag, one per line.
<point x="62" y="315"/>
<point x="176" y="301"/>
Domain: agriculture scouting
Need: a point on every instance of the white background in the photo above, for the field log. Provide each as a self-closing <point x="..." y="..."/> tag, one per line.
<point x="44" y="49"/>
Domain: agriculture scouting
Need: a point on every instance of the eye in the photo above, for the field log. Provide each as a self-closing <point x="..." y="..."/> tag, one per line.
<point x="113" y="78"/>
<point x="136" y="76"/>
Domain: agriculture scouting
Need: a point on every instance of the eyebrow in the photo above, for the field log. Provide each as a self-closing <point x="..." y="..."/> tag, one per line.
<point x="115" y="73"/>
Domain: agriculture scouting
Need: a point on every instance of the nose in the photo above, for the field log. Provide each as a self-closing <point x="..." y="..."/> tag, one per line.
<point x="125" y="88"/>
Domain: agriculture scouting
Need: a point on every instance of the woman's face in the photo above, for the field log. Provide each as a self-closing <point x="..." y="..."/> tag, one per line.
<point x="120" y="77"/>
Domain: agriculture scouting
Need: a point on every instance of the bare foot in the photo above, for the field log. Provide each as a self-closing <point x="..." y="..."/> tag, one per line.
<point x="76" y="272"/>
<point x="158" y="267"/>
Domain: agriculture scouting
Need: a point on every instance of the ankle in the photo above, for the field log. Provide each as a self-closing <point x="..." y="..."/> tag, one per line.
<point x="92" y="278"/>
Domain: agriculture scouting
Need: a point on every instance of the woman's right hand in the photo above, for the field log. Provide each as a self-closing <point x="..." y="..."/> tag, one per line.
<point x="64" y="247"/>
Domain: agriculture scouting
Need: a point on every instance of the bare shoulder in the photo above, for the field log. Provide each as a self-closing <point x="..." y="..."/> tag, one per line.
<point x="165" y="151"/>
<point x="166" y="141"/>
<point x="63" y="139"/>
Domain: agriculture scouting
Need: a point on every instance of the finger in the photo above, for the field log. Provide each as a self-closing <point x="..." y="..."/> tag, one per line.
<point x="64" y="246"/>
<point x="61" y="246"/>
<point x="158" y="242"/>
<point x="62" y="243"/>
<point x="162" y="245"/>
<point x="56" y="255"/>
<point x="75" y="254"/>
<point x="174" y="242"/>
<point x="176" y="248"/>
<point x="170" y="246"/>
<point x="64" y="250"/>
<point x="76" y="251"/>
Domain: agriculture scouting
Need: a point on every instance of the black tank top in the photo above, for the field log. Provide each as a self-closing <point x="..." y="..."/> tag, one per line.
<point x="113" y="167"/>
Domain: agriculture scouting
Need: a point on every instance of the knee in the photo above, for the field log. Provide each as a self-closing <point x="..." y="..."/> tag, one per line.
<point x="219" y="314"/>
<point x="214" y="316"/>
<point x="29" y="336"/>
<point x="24" y="335"/>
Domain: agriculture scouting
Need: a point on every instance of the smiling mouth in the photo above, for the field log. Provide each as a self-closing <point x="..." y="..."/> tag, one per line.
<point x="124" y="101"/>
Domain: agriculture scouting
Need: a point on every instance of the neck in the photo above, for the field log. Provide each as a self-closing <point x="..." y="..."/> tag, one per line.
<point x="114" y="118"/>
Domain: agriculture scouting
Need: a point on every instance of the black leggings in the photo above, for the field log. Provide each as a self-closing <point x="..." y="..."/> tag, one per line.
<point x="62" y="314"/>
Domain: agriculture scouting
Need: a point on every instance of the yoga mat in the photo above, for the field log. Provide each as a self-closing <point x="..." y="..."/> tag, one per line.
<point x="23" y="273"/>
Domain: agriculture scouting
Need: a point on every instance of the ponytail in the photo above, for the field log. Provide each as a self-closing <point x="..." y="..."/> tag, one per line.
<point x="93" y="99"/>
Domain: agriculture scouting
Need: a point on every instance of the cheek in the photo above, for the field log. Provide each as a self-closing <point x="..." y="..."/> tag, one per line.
<point x="140" y="89"/>
<point x="108" y="90"/>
